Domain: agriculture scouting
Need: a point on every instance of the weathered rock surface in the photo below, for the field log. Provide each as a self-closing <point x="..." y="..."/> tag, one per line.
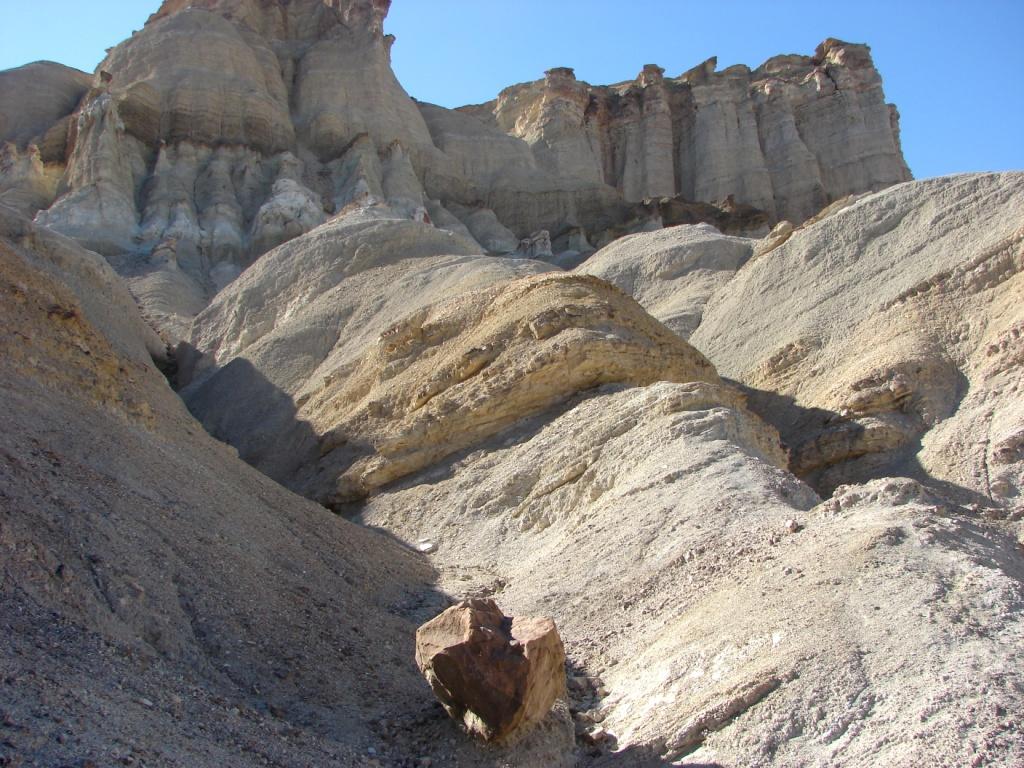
<point x="226" y="127"/>
<point x="274" y="199"/>
<point x="734" y="640"/>
<point x="35" y="97"/>
<point x="153" y="582"/>
<point x="886" y="337"/>
<point x="350" y="411"/>
<point x="788" y="137"/>
<point x="36" y="103"/>
<point x="495" y="674"/>
<point x="26" y="182"/>
<point x="457" y="372"/>
<point x="672" y="272"/>
<point x="307" y="312"/>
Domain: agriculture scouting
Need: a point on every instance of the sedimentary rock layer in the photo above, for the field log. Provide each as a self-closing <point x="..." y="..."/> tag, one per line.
<point x="887" y="337"/>
<point x="788" y="137"/>
<point x="226" y="127"/>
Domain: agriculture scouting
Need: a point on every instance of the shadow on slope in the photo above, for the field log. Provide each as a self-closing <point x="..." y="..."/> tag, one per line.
<point x="827" y="449"/>
<point x="163" y="602"/>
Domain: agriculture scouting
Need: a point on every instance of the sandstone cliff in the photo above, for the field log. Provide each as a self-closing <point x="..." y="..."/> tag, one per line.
<point x="788" y="137"/>
<point x="226" y="127"/>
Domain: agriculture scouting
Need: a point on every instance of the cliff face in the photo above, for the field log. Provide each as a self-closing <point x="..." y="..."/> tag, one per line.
<point x="227" y="127"/>
<point x="789" y="137"/>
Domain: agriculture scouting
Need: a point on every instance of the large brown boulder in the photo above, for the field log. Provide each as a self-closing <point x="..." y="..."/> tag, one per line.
<point x="495" y="674"/>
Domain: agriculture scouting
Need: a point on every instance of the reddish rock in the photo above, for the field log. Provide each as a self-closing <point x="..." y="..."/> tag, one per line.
<point x="494" y="674"/>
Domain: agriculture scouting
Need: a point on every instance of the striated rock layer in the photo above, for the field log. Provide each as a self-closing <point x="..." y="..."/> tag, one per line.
<point x="788" y="137"/>
<point x="367" y="368"/>
<point x="226" y="127"/>
<point x="887" y="337"/>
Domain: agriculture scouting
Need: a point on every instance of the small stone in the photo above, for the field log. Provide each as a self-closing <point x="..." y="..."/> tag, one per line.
<point x="426" y="546"/>
<point x="792" y="526"/>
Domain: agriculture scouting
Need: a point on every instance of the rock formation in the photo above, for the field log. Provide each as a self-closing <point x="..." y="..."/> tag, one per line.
<point x="494" y="674"/>
<point x="368" y="410"/>
<point x="787" y="137"/>
<point x="813" y="558"/>
<point x="36" y="99"/>
<point x="672" y="272"/>
<point x="226" y="127"/>
<point x="885" y="338"/>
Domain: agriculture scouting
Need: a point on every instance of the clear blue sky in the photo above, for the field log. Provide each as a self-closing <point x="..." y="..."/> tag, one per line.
<point x="955" y="68"/>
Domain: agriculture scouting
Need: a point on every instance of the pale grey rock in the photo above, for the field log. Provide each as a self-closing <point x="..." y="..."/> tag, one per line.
<point x="195" y="76"/>
<point x="726" y="161"/>
<point x="345" y="88"/>
<point x="292" y="210"/>
<point x="402" y="188"/>
<point x="773" y="137"/>
<point x="357" y="175"/>
<point x="225" y="127"/>
<point x="649" y="140"/>
<point x="672" y="272"/>
<point x="885" y="337"/>
<point x="486" y="229"/>
<point x="35" y="97"/>
<point x="26" y="184"/>
<point x="442" y="218"/>
<point x="103" y="172"/>
<point x="306" y="312"/>
<point x="557" y="141"/>
<point x="723" y="628"/>
<point x="479" y="154"/>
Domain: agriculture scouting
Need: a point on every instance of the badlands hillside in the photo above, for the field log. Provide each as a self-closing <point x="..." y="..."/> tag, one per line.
<point x="291" y="362"/>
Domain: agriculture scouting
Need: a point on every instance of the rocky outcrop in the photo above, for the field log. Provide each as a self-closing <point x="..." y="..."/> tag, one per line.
<point x="35" y="98"/>
<point x="672" y="272"/>
<point x="884" y="337"/>
<point x="739" y="600"/>
<point x="788" y="137"/>
<point x="352" y="410"/>
<point x="494" y="674"/>
<point x="307" y="312"/>
<point x="226" y="127"/>
<point x="26" y="183"/>
<point x="36" y="106"/>
<point x="455" y="373"/>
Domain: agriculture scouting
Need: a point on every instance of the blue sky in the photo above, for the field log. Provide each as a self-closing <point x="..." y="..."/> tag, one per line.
<point x="952" y="66"/>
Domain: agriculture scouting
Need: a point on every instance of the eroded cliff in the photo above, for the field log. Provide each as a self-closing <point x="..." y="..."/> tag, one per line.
<point x="226" y="127"/>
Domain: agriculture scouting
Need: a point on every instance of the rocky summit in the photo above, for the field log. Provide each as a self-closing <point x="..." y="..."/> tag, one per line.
<point x="308" y="388"/>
